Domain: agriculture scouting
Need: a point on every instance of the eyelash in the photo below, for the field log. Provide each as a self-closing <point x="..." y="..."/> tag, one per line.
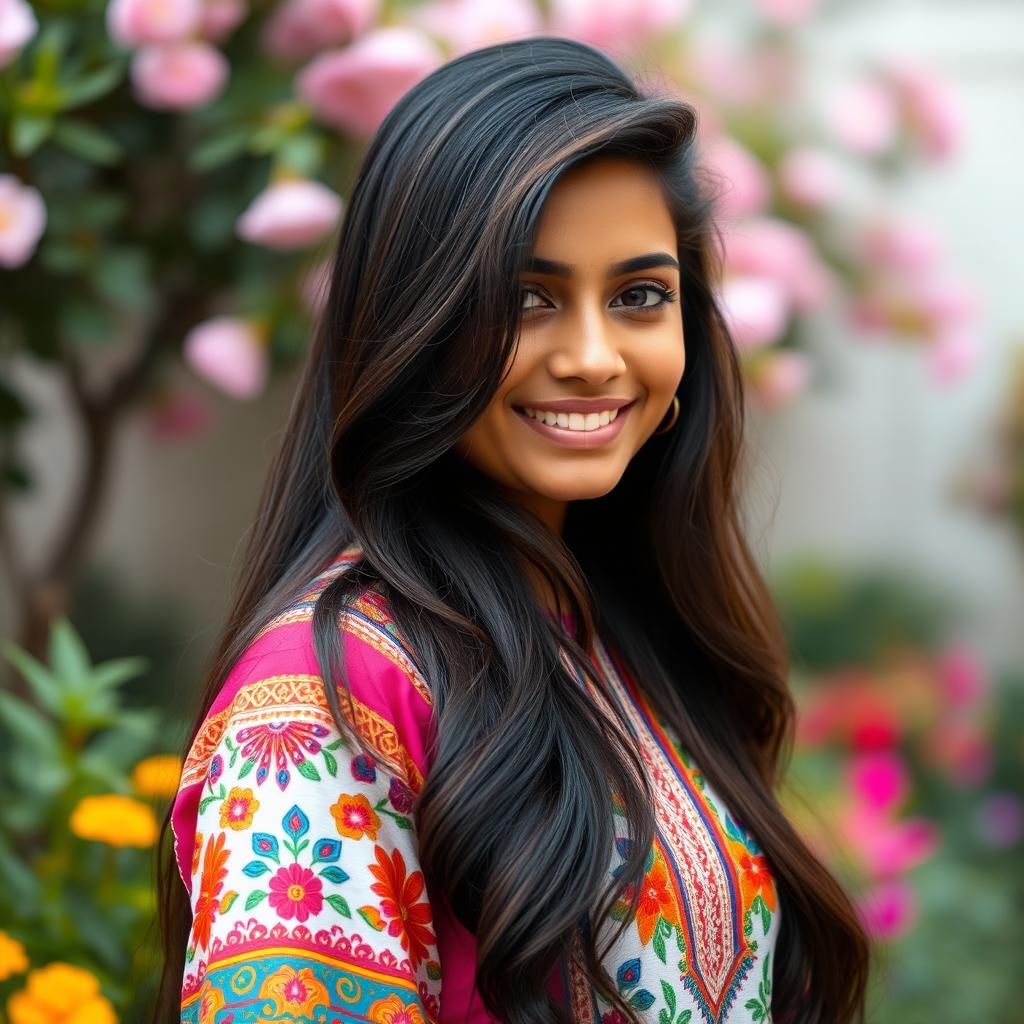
<point x="667" y="294"/>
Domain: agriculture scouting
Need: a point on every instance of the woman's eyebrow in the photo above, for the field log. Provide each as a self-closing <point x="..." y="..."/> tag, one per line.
<point x="539" y="265"/>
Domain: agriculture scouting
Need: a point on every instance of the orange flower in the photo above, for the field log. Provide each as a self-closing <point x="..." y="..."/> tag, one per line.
<point x="657" y="900"/>
<point x="237" y="809"/>
<point x="114" y="819"/>
<point x="354" y="816"/>
<point x="12" y="956"/>
<point x="755" y="877"/>
<point x="210" y="886"/>
<point x="157" y="776"/>
<point x="399" y="894"/>
<point x="394" y="1010"/>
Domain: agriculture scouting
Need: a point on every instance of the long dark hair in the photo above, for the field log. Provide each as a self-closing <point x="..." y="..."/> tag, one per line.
<point x="420" y="324"/>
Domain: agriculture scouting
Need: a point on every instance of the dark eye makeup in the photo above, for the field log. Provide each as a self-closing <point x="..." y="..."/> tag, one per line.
<point x="667" y="295"/>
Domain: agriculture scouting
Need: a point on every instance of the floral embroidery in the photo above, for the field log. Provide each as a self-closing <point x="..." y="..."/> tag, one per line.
<point x="238" y="808"/>
<point x="394" y="1010"/>
<point x="294" y="992"/>
<point x="295" y="890"/>
<point x="281" y="742"/>
<point x="197" y="847"/>
<point x="210" y="885"/>
<point x="354" y="816"/>
<point x="399" y="894"/>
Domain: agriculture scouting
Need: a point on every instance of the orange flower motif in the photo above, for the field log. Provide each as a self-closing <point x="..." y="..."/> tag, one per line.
<point x="354" y="816"/>
<point x="195" y="852"/>
<point x="210" y="886"/>
<point x="394" y="1010"/>
<point x="755" y="877"/>
<point x="657" y="900"/>
<point x="237" y="809"/>
<point x="295" y="992"/>
<point x="210" y="1001"/>
<point x="399" y="894"/>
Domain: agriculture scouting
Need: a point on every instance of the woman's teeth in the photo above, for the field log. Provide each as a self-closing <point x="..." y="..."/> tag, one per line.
<point x="573" y="420"/>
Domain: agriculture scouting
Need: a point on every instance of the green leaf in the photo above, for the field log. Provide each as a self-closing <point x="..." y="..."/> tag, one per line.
<point x="221" y="149"/>
<point x="29" y="132"/>
<point x="670" y="997"/>
<point x="93" y="85"/>
<point x="684" y="1017"/>
<point x="85" y="140"/>
<point x="330" y="762"/>
<point x="28" y="725"/>
<point x="308" y="769"/>
<point x="45" y="687"/>
<point x="69" y="658"/>
<point x="340" y="905"/>
<point x="247" y="767"/>
<point x="658" y="943"/>
<point x="254" y="898"/>
<point x="121" y="277"/>
<point x="117" y="671"/>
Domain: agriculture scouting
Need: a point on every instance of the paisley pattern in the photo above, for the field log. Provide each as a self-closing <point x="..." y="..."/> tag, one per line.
<point x="300" y="858"/>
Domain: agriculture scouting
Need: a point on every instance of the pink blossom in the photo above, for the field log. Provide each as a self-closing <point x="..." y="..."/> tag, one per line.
<point x="863" y="115"/>
<point x="933" y="113"/>
<point x="299" y="28"/>
<point x="775" y="249"/>
<point x="725" y="70"/>
<point x="999" y="819"/>
<point x="781" y="375"/>
<point x="963" y="676"/>
<point x="354" y="88"/>
<point x="811" y="177"/>
<point x="221" y="17"/>
<point x="879" y="779"/>
<point x="616" y="25"/>
<point x="885" y="845"/>
<point x="744" y="181"/>
<point x="962" y="749"/>
<point x="290" y="214"/>
<point x="469" y="24"/>
<point x="787" y="12"/>
<point x="229" y="353"/>
<point x="889" y="910"/>
<point x="944" y="303"/>
<point x="954" y="354"/>
<point x="755" y="310"/>
<point x="178" y="76"/>
<point x="134" y="22"/>
<point x="17" y="26"/>
<point x="295" y="892"/>
<point x="871" y="720"/>
<point x="22" y="220"/>
<point x="900" y="243"/>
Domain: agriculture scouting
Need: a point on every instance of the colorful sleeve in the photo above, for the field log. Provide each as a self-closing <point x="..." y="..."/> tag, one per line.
<point x="308" y="901"/>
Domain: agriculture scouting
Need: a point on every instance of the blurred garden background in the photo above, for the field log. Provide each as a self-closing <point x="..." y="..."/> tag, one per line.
<point x="171" y="179"/>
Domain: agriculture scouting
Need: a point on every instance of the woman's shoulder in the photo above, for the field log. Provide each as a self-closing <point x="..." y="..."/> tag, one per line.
<point x="278" y="676"/>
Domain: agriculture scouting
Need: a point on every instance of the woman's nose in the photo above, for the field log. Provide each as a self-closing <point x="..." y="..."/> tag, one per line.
<point x="588" y="348"/>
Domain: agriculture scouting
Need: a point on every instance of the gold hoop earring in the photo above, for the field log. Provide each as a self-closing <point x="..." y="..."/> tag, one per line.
<point x="675" y="415"/>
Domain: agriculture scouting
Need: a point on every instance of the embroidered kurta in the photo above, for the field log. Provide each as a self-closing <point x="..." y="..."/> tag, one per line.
<point x="300" y="855"/>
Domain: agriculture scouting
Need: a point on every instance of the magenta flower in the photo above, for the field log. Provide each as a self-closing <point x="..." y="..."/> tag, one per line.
<point x="879" y="779"/>
<point x="296" y="892"/>
<point x="889" y="909"/>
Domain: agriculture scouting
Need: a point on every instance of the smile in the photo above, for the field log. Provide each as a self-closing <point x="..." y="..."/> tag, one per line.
<point x="577" y="430"/>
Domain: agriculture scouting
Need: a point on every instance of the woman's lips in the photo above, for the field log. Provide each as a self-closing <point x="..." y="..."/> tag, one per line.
<point x="578" y="438"/>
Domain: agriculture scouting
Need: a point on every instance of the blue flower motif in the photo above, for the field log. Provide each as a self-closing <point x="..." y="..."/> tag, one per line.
<point x="628" y="974"/>
<point x="364" y="768"/>
<point x="295" y="823"/>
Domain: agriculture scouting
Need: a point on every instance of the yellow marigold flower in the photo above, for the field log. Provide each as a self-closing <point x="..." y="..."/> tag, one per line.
<point x="158" y="775"/>
<point x="61" y="993"/>
<point x="12" y="956"/>
<point x="238" y="808"/>
<point x="114" y="819"/>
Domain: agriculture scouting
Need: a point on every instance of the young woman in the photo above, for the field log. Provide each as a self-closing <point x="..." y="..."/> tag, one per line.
<point x="503" y="523"/>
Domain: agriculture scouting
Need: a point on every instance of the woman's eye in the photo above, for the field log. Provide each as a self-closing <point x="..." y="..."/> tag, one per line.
<point x="641" y="291"/>
<point x="526" y="292"/>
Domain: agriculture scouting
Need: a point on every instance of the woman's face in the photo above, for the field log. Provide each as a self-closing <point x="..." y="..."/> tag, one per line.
<point x="601" y="327"/>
